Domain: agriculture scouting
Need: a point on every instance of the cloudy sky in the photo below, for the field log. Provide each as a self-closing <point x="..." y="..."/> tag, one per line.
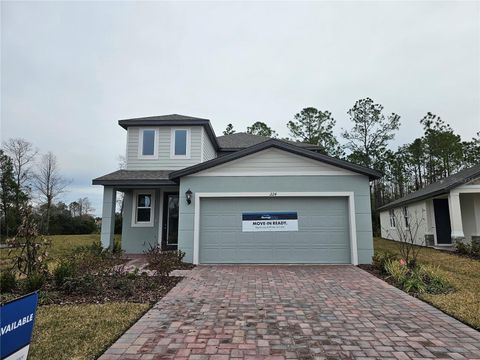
<point x="70" y="70"/>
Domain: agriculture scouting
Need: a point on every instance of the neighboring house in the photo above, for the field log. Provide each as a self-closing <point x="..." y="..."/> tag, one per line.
<point x="447" y="211"/>
<point x="238" y="198"/>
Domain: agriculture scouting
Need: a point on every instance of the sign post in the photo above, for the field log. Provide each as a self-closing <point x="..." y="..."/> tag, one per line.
<point x="16" y="326"/>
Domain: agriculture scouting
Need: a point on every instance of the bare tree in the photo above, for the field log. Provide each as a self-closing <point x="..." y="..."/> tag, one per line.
<point x="23" y="155"/>
<point x="122" y="162"/>
<point x="406" y="225"/>
<point x="85" y="206"/>
<point x="49" y="183"/>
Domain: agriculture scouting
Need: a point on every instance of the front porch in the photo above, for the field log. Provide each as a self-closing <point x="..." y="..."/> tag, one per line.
<point x="149" y="217"/>
<point x="454" y="217"/>
<point x="149" y="209"/>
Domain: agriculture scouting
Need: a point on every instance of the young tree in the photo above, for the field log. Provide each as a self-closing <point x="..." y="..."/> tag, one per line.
<point x="8" y="193"/>
<point x="229" y="130"/>
<point x="261" y="129"/>
<point x="49" y="183"/>
<point x="23" y="155"/>
<point x="371" y="132"/>
<point x="314" y="126"/>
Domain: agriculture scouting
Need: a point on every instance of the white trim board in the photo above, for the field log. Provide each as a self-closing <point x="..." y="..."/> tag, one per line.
<point x="348" y="194"/>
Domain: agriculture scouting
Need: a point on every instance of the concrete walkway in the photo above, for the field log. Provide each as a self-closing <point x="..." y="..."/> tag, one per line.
<point x="292" y="312"/>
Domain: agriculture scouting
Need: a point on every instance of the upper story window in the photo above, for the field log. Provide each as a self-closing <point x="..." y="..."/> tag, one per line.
<point x="148" y="143"/>
<point x="180" y="144"/>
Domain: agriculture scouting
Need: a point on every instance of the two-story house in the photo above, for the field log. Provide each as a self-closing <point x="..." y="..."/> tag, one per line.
<point x="237" y="198"/>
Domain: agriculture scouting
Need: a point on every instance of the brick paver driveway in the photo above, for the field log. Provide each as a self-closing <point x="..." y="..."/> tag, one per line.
<point x="292" y="312"/>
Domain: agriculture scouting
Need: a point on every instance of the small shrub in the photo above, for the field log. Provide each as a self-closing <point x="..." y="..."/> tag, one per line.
<point x="34" y="282"/>
<point x="65" y="269"/>
<point x="434" y="281"/>
<point x="414" y="282"/>
<point x="123" y="284"/>
<point x="475" y="249"/>
<point x="396" y="271"/>
<point x="380" y="259"/>
<point x="117" y="248"/>
<point x="462" y="248"/>
<point x="164" y="262"/>
<point x="8" y="281"/>
<point x="85" y="284"/>
<point x="472" y="250"/>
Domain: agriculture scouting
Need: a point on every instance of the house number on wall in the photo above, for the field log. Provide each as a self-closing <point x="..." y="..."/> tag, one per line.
<point x="273" y="194"/>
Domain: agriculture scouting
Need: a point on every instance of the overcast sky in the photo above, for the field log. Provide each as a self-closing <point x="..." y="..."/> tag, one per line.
<point x="70" y="70"/>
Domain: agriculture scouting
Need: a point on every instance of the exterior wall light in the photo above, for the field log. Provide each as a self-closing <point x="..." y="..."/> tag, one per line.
<point x="188" y="195"/>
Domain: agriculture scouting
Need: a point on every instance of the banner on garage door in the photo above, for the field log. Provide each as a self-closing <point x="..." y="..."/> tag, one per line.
<point x="269" y="221"/>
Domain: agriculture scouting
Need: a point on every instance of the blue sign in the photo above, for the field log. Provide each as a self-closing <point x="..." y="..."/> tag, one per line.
<point x="16" y="324"/>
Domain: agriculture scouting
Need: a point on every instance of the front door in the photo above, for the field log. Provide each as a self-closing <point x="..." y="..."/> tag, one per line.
<point x="442" y="221"/>
<point x="170" y="221"/>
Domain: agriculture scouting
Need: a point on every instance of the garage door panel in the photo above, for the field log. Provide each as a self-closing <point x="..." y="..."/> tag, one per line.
<point x="323" y="235"/>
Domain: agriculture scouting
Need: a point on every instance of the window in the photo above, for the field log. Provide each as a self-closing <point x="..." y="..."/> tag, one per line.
<point x="405" y="216"/>
<point x="180" y="147"/>
<point x="148" y="143"/>
<point x="143" y="208"/>
<point x="392" y="218"/>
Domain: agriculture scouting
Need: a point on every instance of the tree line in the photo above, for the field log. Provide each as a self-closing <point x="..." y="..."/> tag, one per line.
<point x="438" y="153"/>
<point x="29" y="179"/>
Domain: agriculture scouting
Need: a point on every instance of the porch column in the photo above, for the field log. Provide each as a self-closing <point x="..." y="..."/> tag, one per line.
<point x="108" y="216"/>
<point x="476" y="213"/>
<point x="455" y="217"/>
<point x="430" y="223"/>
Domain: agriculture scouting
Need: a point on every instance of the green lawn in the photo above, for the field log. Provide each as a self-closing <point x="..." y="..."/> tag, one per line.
<point x="81" y="331"/>
<point x="60" y="245"/>
<point x="77" y="331"/>
<point x="463" y="273"/>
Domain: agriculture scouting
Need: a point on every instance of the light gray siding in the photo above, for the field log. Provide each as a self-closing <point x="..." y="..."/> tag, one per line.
<point x="322" y="236"/>
<point x="358" y="184"/>
<point x="135" y="240"/>
<point x="274" y="162"/>
<point x="163" y="162"/>
<point x="417" y="215"/>
<point x="207" y="147"/>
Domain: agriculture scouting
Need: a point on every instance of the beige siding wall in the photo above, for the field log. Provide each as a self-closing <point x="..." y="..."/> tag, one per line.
<point x="163" y="162"/>
<point x="274" y="162"/>
<point x="418" y="214"/>
<point x="208" y="149"/>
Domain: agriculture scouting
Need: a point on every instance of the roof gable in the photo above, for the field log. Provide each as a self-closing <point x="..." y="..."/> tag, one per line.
<point x="274" y="162"/>
<point x="273" y="143"/>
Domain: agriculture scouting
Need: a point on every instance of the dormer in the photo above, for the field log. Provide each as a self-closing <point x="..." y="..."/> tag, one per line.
<point x="168" y="142"/>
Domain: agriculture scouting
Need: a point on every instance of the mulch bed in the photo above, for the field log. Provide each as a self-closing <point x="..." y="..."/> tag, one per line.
<point x="119" y="288"/>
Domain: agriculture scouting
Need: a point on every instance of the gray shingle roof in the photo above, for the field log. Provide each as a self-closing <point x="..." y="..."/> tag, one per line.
<point x="440" y="187"/>
<point x="172" y="120"/>
<point x="243" y="140"/>
<point x="135" y="177"/>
